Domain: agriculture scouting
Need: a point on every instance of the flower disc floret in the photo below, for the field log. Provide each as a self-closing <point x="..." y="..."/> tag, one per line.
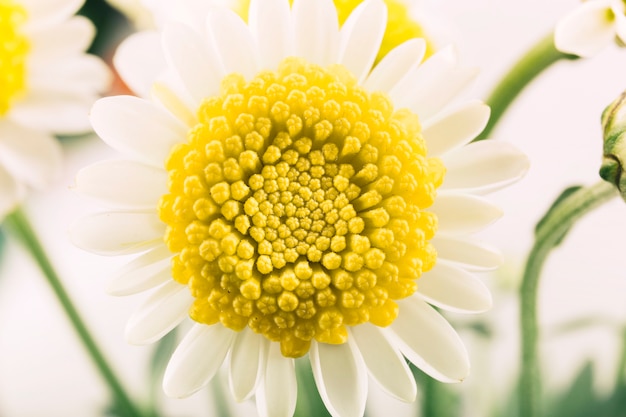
<point x="297" y="206"/>
<point x="13" y="52"/>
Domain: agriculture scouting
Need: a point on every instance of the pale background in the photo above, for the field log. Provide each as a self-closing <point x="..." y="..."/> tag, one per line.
<point x="45" y="372"/>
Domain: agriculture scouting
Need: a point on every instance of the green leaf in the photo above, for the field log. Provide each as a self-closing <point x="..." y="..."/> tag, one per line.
<point x="562" y="197"/>
<point x="579" y="396"/>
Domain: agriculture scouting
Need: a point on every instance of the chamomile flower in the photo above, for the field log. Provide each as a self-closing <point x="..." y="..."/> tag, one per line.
<point x="591" y="27"/>
<point x="47" y="84"/>
<point x="292" y="200"/>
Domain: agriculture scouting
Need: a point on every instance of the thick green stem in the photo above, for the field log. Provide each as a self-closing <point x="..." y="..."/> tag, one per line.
<point x="540" y="57"/>
<point x="548" y="235"/>
<point x="24" y="231"/>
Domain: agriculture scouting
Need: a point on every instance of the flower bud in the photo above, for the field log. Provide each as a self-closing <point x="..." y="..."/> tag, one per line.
<point x="614" y="133"/>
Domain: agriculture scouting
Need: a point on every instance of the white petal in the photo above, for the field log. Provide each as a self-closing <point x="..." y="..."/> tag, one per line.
<point x="431" y="97"/>
<point x="197" y="359"/>
<point x="32" y="157"/>
<point x="433" y="85"/>
<point x="620" y="22"/>
<point x="140" y="60"/>
<point x="463" y="214"/>
<point x="118" y="233"/>
<point x="137" y="127"/>
<point x="451" y="288"/>
<point x="430" y="342"/>
<point x="384" y="362"/>
<point x="10" y="193"/>
<point x="124" y="184"/>
<point x="341" y="378"/>
<point x="484" y="166"/>
<point x="468" y="254"/>
<point x="196" y="64"/>
<point x="67" y="39"/>
<point x="159" y="314"/>
<point x="172" y="96"/>
<point x="278" y="391"/>
<point x="147" y="271"/>
<point x="247" y="364"/>
<point x="192" y="13"/>
<point x="82" y="76"/>
<point x="360" y="37"/>
<point x="400" y="61"/>
<point x="233" y="42"/>
<point x="455" y="128"/>
<point x="50" y="11"/>
<point x="586" y="30"/>
<point x="316" y="30"/>
<point x="53" y="112"/>
<point x="440" y="63"/>
<point x="270" y="23"/>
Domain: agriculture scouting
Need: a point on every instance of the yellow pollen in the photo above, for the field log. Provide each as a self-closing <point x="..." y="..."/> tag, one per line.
<point x="296" y="234"/>
<point x="13" y="52"/>
<point x="400" y="25"/>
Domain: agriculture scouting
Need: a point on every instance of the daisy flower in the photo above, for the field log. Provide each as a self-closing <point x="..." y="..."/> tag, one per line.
<point x="293" y="201"/>
<point x="47" y="84"/>
<point x="591" y="27"/>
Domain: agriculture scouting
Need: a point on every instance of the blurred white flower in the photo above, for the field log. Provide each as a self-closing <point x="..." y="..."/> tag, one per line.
<point x="283" y="194"/>
<point x="591" y="27"/>
<point x="47" y="84"/>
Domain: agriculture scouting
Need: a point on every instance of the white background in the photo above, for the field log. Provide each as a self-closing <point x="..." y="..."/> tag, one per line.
<point x="45" y="372"/>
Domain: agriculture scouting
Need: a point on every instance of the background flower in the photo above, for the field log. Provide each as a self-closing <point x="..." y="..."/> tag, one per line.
<point x="47" y="84"/>
<point x="591" y="27"/>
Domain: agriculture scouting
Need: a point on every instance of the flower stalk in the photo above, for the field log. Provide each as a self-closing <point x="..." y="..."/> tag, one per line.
<point x="549" y="234"/>
<point x="24" y="231"/>
<point x="533" y="63"/>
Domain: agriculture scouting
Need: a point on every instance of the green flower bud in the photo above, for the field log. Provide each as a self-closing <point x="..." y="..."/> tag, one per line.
<point x="614" y="131"/>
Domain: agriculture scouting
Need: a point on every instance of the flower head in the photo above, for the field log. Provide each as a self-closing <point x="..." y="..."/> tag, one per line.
<point x="592" y="26"/>
<point x="614" y="152"/>
<point x="292" y="200"/>
<point x="47" y="84"/>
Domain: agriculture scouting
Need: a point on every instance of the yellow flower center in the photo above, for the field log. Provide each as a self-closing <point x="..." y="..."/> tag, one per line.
<point x="13" y="51"/>
<point x="297" y="206"/>
<point x="400" y="26"/>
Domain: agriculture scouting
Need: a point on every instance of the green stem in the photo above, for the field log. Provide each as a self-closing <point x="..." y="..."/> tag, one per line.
<point x="621" y="374"/>
<point x="540" y="57"/>
<point x="23" y="229"/>
<point x="548" y="235"/>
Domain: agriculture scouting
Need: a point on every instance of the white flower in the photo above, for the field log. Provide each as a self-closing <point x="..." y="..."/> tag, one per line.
<point x="591" y="27"/>
<point x="279" y="192"/>
<point x="47" y="84"/>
